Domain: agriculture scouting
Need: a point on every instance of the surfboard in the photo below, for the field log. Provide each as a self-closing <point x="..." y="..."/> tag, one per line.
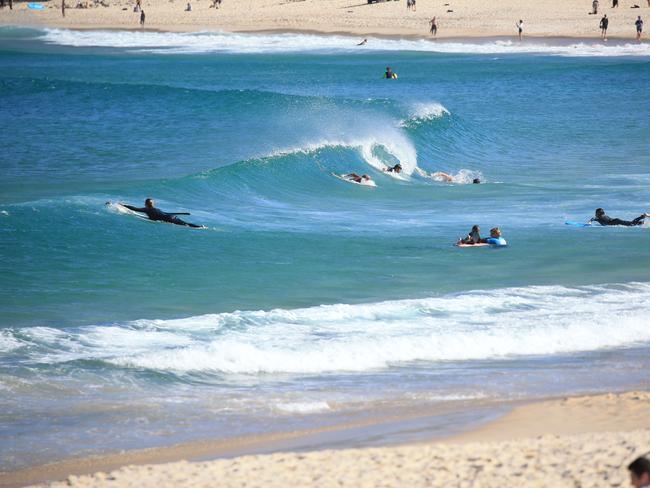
<point x="480" y="244"/>
<point x="119" y="208"/>
<point x="369" y="183"/>
<point x="36" y="6"/>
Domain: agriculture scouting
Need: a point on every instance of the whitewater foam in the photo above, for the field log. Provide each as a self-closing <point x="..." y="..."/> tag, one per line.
<point x="215" y="41"/>
<point x="424" y="112"/>
<point x="481" y="325"/>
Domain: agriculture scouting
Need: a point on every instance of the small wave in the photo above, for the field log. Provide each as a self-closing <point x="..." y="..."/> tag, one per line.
<point x="215" y="41"/>
<point x="424" y="112"/>
<point x="480" y="325"/>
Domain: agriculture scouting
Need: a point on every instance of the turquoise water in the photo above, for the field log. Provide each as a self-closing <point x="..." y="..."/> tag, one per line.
<point x="308" y="299"/>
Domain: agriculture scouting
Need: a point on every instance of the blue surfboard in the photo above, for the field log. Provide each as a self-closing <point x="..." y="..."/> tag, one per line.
<point x="36" y="6"/>
<point x="581" y="224"/>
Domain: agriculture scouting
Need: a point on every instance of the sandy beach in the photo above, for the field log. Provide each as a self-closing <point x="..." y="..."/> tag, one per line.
<point x="455" y="18"/>
<point x="576" y="441"/>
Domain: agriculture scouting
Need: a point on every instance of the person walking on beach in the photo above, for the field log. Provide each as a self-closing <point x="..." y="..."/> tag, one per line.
<point x="604" y="22"/>
<point x="63" y="7"/>
<point x="639" y="28"/>
<point x="639" y="472"/>
<point x="594" y="5"/>
<point x="520" y="27"/>
<point x="142" y="17"/>
<point x="614" y="3"/>
<point x="434" y="27"/>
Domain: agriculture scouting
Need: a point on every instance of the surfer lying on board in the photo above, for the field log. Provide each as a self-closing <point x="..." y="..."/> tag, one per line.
<point x="603" y="219"/>
<point x="441" y="176"/>
<point x="156" y="214"/>
<point x="394" y="169"/>
<point x="357" y="178"/>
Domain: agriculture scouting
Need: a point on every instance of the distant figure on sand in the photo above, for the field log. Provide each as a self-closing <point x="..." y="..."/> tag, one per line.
<point x="365" y="41"/>
<point x="614" y="3"/>
<point x="640" y="472"/>
<point x="156" y="214"/>
<point x="142" y="18"/>
<point x="434" y="27"/>
<point x="520" y="28"/>
<point x="603" y="219"/>
<point x="389" y="75"/>
<point x="189" y="7"/>
<point x="639" y="27"/>
<point x="594" y="6"/>
<point x="604" y="22"/>
<point x="63" y="8"/>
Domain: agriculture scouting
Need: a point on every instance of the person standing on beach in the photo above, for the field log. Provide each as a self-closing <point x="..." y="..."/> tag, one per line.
<point x="595" y="7"/>
<point x="639" y="472"/>
<point x="142" y="18"/>
<point x="639" y="28"/>
<point x="63" y="7"/>
<point x="604" y="22"/>
<point x="434" y="27"/>
<point x="614" y="3"/>
<point x="520" y="28"/>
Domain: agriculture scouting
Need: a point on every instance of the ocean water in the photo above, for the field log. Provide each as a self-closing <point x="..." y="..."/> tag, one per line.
<point x="308" y="300"/>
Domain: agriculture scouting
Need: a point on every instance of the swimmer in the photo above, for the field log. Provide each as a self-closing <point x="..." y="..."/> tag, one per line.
<point x="158" y="215"/>
<point x="603" y="219"/>
<point x="389" y="74"/>
<point x="357" y="178"/>
<point x="394" y="169"/>
<point x="446" y="177"/>
<point x="365" y="41"/>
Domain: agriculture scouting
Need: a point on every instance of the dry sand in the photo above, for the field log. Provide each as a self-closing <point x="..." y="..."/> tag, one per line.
<point x="574" y="442"/>
<point x="456" y="18"/>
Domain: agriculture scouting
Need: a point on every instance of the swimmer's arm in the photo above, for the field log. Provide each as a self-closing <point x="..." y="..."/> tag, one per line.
<point x="135" y="209"/>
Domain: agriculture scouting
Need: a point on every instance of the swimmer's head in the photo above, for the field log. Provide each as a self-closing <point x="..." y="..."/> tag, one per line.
<point x="476" y="181"/>
<point x="148" y="203"/>
<point x="365" y="177"/>
<point x="398" y="168"/>
<point x="476" y="228"/>
<point x="599" y="212"/>
<point x="495" y="232"/>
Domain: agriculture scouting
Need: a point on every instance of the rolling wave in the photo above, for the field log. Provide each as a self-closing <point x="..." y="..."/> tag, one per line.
<point x="480" y="325"/>
<point x="215" y="42"/>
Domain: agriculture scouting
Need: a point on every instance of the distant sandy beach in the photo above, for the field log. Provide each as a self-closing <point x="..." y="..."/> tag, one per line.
<point x="576" y="441"/>
<point x="454" y="18"/>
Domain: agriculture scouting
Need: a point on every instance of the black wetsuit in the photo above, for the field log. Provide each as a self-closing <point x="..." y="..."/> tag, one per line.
<point x="156" y="214"/>
<point x="607" y="220"/>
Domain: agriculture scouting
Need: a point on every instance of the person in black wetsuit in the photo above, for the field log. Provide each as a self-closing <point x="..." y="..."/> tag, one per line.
<point x="603" y="219"/>
<point x="156" y="214"/>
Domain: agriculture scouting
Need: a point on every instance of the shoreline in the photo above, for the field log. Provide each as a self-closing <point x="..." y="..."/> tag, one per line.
<point x="549" y="420"/>
<point x="466" y="38"/>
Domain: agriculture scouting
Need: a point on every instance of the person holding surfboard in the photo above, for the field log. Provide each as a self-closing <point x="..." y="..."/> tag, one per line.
<point x="603" y="219"/>
<point x="154" y="213"/>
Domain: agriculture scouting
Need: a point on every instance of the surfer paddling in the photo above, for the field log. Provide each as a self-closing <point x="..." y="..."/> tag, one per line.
<point x="358" y="178"/>
<point x="154" y="213"/>
<point x="603" y="219"/>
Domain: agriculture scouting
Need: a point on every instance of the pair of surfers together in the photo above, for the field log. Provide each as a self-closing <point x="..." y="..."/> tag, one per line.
<point x="474" y="238"/>
<point x="439" y="175"/>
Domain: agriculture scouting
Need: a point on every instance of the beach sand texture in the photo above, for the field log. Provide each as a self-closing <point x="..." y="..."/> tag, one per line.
<point x="538" y="454"/>
<point x="455" y="18"/>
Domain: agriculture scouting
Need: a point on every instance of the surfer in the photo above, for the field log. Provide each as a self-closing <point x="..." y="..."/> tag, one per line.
<point x="154" y="213"/>
<point x="394" y="169"/>
<point x="474" y="237"/>
<point x="357" y="178"/>
<point x="441" y="176"/>
<point x="603" y="219"/>
<point x="389" y="74"/>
